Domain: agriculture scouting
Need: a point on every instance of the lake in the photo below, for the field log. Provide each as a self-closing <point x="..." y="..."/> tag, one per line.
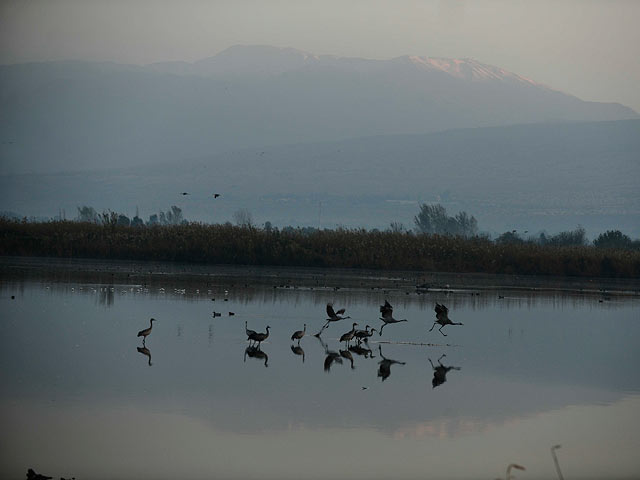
<point x="81" y="396"/>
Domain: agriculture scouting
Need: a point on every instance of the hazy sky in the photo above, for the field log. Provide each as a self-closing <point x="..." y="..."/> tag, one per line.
<point x="590" y="48"/>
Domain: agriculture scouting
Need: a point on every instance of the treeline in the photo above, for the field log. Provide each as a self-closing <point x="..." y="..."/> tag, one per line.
<point x="357" y="248"/>
<point x="173" y="216"/>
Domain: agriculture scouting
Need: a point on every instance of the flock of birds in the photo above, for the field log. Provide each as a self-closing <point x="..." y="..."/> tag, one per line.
<point x="355" y="335"/>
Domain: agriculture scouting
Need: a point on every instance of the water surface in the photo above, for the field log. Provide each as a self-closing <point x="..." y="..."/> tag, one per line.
<point x="80" y="396"/>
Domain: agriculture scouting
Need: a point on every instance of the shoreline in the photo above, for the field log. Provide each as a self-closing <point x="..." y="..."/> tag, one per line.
<point x="154" y="272"/>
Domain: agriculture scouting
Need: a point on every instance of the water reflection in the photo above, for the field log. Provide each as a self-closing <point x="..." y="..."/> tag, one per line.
<point x="347" y="354"/>
<point x="571" y="381"/>
<point x="359" y="350"/>
<point x="440" y="372"/>
<point x="256" y="352"/>
<point x="331" y="355"/>
<point x="384" y="365"/>
<point x="297" y="350"/>
<point x="145" y="351"/>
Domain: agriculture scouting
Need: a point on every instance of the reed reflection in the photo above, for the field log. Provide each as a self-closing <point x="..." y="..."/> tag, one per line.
<point x="384" y="365"/>
<point x="440" y="372"/>
<point x="145" y="351"/>
<point x="297" y="350"/>
<point x="256" y="352"/>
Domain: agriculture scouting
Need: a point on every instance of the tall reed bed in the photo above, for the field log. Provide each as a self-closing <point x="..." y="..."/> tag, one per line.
<point x="227" y="244"/>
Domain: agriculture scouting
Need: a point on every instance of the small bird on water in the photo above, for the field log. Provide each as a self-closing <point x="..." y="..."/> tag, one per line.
<point x="147" y="331"/>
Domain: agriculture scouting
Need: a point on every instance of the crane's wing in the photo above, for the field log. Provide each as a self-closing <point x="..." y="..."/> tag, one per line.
<point x="330" y="311"/>
<point x="441" y="309"/>
<point x="341" y="311"/>
<point x="442" y="312"/>
<point x="386" y="310"/>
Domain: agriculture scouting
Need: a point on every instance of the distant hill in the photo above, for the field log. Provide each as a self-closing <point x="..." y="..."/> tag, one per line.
<point x="528" y="177"/>
<point x="81" y="115"/>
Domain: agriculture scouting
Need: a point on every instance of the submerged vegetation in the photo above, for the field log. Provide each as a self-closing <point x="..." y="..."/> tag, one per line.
<point x="357" y="248"/>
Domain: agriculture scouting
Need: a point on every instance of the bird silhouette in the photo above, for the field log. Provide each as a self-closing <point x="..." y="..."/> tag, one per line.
<point x="509" y="468"/>
<point x="347" y="354"/>
<point x="216" y="195"/>
<point x="384" y="365"/>
<point x="297" y="350"/>
<point x="347" y="337"/>
<point x="387" y="315"/>
<point x="442" y="318"/>
<point x="331" y="356"/>
<point x="299" y="334"/>
<point x="146" y="332"/>
<point x="184" y="193"/>
<point x="364" y="334"/>
<point x="260" y="337"/>
<point x="364" y="352"/>
<point x="250" y="333"/>
<point x="333" y="317"/>
<point x="255" y="352"/>
<point x="440" y="372"/>
<point x="145" y="351"/>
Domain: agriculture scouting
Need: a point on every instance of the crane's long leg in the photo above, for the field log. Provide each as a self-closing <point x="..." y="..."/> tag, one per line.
<point x="382" y="328"/>
<point x="440" y="330"/>
<point x="443" y="355"/>
<point x="434" y="324"/>
<point x="432" y="364"/>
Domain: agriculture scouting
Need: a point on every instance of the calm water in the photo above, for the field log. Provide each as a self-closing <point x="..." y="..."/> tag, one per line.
<point x="79" y="398"/>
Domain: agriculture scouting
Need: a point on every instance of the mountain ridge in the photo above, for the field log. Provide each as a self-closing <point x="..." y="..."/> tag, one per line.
<point x="73" y="114"/>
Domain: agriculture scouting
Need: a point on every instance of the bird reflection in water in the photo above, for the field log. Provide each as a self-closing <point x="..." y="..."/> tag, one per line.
<point x="440" y="372"/>
<point x="347" y="354"/>
<point x="255" y="352"/>
<point x="145" y="351"/>
<point x="384" y="365"/>
<point x="331" y="356"/>
<point x="297" y="350"/>
<point x="363" y="352"/>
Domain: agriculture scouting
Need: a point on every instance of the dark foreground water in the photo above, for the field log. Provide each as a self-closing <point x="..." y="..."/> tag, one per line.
<point x="79" y="396"/>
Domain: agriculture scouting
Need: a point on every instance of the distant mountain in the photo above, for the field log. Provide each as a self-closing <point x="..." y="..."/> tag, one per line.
<point x="81" y="115"/>
<point x="528" y="177"/>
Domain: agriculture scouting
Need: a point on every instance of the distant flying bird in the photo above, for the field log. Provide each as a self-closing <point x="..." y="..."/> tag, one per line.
<point x="147" y="331"/>
<point x="299" y="334"/>
<point x="184" y="193"/>
<point x="442" y="318"/>
<point x="387" y="315"/>
<point x="216" y="195"/>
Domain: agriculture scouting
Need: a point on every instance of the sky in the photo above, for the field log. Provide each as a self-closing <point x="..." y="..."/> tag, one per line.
<point x="589" y="48"/>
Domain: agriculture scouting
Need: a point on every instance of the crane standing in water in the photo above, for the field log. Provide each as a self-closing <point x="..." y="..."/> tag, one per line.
<point x="147" y="331"/>
<point x="347" y="337"/>
<point x="442" y="318"/>
<point x="260" y="337"/>
<point x="299" y="334"/>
